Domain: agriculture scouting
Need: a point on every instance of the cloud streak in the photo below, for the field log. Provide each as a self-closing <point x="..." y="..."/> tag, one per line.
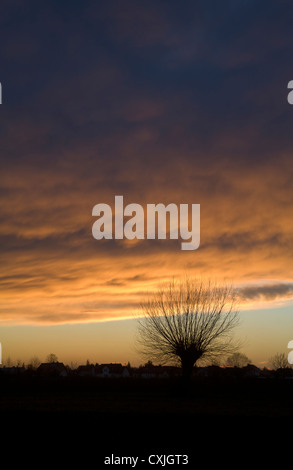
<point x="278" y="291"/>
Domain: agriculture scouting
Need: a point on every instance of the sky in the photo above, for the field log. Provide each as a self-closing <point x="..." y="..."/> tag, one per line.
<point x="160" y="102"/>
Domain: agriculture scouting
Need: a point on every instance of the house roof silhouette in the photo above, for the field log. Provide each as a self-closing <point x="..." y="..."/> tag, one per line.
<point x="52" y="368"/>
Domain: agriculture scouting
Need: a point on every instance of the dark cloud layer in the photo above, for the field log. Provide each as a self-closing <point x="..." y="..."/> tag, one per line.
<point x="267" y="292"/>
<point x="159" y="102"/>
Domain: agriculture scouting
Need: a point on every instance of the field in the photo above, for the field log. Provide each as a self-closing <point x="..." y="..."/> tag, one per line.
<point x="103" y="416"/>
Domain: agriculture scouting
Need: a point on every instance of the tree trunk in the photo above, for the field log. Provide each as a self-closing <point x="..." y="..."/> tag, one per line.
<point x="187" y="368"/>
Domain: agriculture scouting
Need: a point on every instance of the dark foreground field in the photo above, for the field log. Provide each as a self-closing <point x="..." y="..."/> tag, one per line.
<point x="81" y="420"/>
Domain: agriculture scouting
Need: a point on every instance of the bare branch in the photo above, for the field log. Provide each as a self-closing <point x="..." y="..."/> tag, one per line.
<point x="188" y="320"/>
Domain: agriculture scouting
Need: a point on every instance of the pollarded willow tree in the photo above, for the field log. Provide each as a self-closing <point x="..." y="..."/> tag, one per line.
<point x="188" y="320"/>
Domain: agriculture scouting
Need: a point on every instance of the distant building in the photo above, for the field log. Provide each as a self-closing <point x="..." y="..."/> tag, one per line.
<point x="111" y="370"/>
<point x="251" y="371"/>
<point x="49" y="369"/>
<point x="86" y="371"/>
<point x="12" y="370"/>
<point x="150" y="371"/>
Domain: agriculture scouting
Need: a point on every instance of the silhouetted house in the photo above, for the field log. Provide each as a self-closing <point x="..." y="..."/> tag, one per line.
<point x="285" y="373"/>
<point x="150" y="371"/>
<point x="266" y="373"/>
<point x="12" y="370"/>
<point x="52" y="369"/>
<point x="86" y="371"/>
<point x="251" y="371"/>
<point x="111" y="370"/>
<point x="214" y="371"/>
<point x="172" y="371"/>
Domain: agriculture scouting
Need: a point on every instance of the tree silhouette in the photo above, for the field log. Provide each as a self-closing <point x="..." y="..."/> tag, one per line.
<point x="34" y="363"/>
<point x="279" y="361"/>
<point x="52" y="358"/>
<point x="237" y="360"/>
<point x="187" y="321"/>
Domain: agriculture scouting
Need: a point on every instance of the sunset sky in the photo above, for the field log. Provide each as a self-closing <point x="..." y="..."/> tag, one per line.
<point x="161" y="102"/>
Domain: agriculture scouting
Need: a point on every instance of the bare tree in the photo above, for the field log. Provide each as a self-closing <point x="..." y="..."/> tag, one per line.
<point x="34" y="363"/>
<point x="238" y="359"/>
<point x="279" y="361"/>
<point x="51" y="358"/>
<point x="8" y="362"/>
<point x="187" y="321"/>
<point x="73" y="365"/>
